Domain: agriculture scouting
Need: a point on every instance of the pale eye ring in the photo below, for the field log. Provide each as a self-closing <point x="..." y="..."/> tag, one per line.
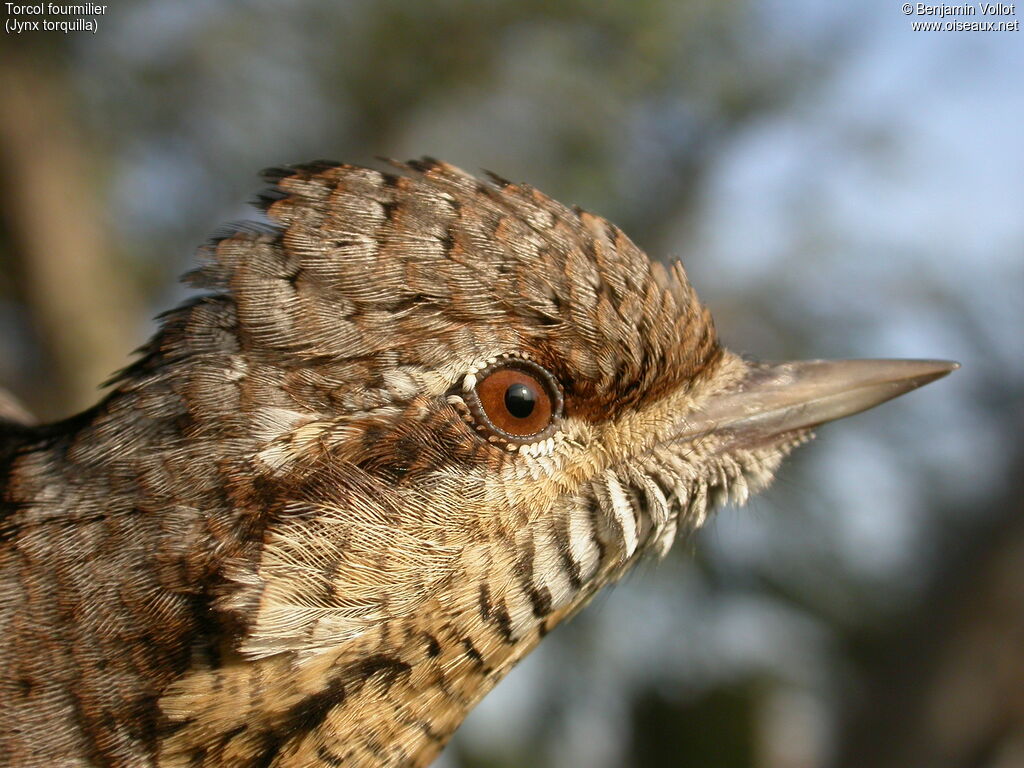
<point x="514" y="400"/>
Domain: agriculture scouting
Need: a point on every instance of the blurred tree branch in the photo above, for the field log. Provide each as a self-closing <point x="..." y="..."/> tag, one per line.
<point x="85" y="311"/>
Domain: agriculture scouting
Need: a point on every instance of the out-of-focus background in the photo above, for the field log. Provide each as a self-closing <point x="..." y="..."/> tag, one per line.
<point x="837" y="185"/>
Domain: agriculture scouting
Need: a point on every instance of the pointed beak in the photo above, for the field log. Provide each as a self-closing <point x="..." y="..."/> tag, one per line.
<point x="774" y="399"/>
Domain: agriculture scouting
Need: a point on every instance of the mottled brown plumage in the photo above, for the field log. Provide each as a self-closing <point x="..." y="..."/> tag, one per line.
<point x="292" y="537"/>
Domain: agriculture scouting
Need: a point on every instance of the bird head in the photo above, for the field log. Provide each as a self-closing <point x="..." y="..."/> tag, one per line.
<point x="459" y="409"/>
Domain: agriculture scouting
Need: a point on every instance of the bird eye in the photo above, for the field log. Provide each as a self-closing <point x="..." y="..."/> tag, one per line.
<point x="516" y="401"/>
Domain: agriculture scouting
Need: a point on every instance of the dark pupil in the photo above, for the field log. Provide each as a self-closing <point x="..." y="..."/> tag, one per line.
<point x="519" y="400"/>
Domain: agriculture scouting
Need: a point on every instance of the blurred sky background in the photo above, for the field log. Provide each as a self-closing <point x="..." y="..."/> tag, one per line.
<point x="837" y="186"/>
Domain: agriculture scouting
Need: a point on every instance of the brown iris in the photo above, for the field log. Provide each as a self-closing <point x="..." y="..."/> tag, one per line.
<point x="516" y="400"/>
